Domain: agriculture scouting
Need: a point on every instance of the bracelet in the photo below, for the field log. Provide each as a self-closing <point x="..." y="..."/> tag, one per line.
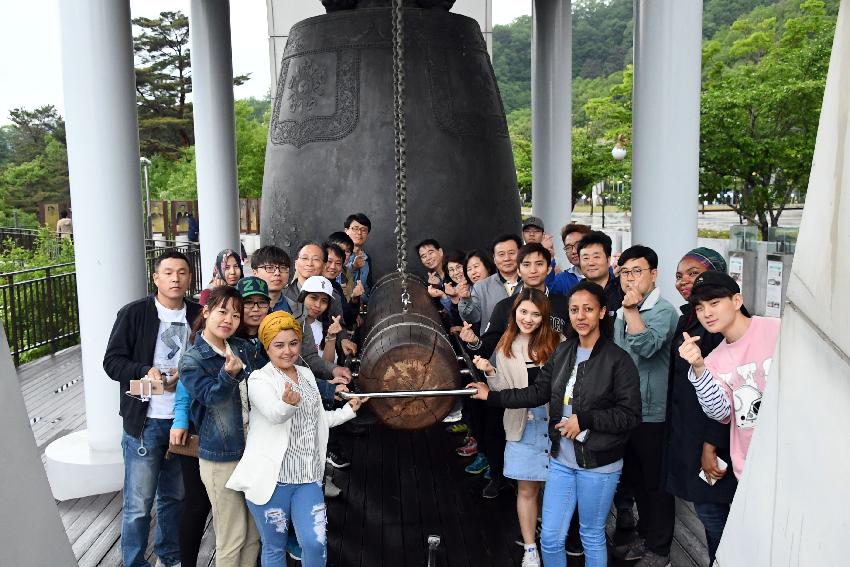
<point x="330" y="338"/>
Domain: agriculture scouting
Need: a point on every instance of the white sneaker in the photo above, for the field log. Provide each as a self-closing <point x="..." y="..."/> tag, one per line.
<point x="331" y="490"/>
<point x="531" y="558"/>
<point x="454" y="416"/>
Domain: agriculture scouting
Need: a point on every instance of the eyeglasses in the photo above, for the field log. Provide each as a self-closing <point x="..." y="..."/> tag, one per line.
<point x="569" y="247"/>
<point x="636" y="272"/>
<point x="456" y="270"/>
<point x="272" y="268"/>
<point x="257" y="304"/>
<point x="360" y="229"/>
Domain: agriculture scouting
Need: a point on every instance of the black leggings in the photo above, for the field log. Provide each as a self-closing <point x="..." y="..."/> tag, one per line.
<point x="196" y="508"/>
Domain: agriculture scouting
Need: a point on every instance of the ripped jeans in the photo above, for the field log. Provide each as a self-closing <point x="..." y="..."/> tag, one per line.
<point x="304" y="506"/>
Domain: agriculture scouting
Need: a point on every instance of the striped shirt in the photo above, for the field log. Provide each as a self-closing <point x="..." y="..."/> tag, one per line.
<point x="301" y="462"/>
<point x="711" y="396"/>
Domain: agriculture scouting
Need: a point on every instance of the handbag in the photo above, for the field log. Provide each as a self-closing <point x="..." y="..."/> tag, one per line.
<point x="190" y="449"/>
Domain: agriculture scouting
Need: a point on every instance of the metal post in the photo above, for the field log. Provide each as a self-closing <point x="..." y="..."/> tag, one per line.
<point x="665" y="130"/>
<point x="551" y="114"/>
<point x="215" y="129"/>
<point x="146" y="163"/>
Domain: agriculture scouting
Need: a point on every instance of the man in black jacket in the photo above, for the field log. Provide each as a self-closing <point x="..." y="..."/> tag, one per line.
<point x="534" y="262"/>
<point x="148" y="338"/>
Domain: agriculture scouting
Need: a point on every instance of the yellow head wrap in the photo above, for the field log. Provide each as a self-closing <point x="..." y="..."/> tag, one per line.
<point x="275" y="322"/>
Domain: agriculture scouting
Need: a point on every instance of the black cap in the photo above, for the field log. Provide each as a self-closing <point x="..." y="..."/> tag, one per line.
<point x="719" y="279"/>
<point x="533" y="221"/>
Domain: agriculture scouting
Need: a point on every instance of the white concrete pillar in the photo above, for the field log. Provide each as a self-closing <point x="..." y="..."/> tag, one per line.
<point x="551" y="115"/>
<point x="103" y="161"/>
<point x="215" y="129"/>
<point x="665" y="131"/>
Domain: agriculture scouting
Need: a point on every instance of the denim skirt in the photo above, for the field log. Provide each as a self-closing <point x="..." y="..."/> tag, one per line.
<point x="528" y="458"/>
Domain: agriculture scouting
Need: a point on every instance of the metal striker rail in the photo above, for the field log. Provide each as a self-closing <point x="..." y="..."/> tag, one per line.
<point x="409" y="394"/>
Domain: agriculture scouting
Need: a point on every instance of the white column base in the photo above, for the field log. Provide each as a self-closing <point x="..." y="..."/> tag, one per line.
<point x="74" y="470"/>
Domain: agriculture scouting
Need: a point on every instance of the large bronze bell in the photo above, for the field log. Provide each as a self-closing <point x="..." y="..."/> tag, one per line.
<point x="330" y="150"/>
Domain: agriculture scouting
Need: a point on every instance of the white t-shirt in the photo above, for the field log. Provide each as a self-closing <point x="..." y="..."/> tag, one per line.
<point x="318" y="335"/>
<point x="170" y="344"/>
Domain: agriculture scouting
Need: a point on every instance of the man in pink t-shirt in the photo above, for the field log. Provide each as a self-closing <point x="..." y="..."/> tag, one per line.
<point x="730" y="381"/>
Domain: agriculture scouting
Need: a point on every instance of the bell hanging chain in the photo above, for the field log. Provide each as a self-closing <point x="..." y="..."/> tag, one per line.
<point x="400" y="147"/>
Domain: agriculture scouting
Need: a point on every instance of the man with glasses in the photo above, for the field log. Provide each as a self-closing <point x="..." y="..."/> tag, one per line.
<point x="271" y="264"/>
<point x="561" y="283"/>
<point x="431" y="256"/>
<point x="644" y="328"/>
<point x="357" y="227"/>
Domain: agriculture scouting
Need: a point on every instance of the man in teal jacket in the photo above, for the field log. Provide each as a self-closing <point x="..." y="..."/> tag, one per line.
<point x="644" y="328"/>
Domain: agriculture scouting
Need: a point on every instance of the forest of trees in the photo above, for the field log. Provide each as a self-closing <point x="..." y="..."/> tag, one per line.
<point x="764" y="69"/>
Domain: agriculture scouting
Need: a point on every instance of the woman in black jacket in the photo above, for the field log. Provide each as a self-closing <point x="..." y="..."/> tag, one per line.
<point x="694" y="441"/>
<point x="593" y="390"/>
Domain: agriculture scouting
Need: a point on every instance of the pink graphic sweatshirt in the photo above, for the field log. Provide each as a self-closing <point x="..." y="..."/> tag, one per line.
<point x="732" y="385"/>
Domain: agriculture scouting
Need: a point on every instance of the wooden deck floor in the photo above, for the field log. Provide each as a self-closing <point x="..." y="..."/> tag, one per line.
<point x="401" y="488"/>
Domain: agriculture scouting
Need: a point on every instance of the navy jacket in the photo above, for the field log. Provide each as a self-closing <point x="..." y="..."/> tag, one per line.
<point x="216" y="404"/>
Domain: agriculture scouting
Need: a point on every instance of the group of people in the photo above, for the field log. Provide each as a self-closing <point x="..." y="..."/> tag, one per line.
<point x="597" y="391"/>
<point x="235" y="400"/>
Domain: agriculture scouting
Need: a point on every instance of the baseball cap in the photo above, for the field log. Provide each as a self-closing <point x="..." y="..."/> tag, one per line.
<point x="316" y="284"/>
<point x="533" y="221"/>
<point x="714" y="278"/>
<point x="252" y="285"/>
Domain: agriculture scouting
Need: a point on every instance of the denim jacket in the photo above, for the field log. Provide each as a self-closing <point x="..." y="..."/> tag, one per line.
<point x="216" y="408"/>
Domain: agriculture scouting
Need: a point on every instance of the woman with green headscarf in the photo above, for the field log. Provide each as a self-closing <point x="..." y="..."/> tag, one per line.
<point x="695" y="442"/>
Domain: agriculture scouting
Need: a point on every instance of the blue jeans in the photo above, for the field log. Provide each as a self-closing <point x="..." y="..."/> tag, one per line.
<point x="145" y="477"/>
<point x="593" y="492"/>
<point x="713" y="517"/>
<point x="305" y="505"/>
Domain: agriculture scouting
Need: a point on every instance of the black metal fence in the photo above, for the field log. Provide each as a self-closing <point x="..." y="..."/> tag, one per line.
<point x="22" y="237"/>
<point x="39" y="308"/>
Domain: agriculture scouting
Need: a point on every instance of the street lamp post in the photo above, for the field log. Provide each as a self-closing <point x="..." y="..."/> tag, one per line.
<point x="146" y="163"/>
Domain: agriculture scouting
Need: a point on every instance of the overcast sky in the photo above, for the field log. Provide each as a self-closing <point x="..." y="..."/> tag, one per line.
<point x="31" y="68"/>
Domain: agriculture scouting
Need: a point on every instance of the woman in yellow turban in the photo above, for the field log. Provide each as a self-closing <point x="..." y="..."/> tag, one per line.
<point x="283" y="465"/>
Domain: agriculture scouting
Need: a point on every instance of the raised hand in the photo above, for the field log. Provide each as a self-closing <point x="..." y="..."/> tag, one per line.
<point x="463" y="290"/>
<point x="290" y="396"/>
<point x="358" y="290"/>
<point x="359" y="261"/>
<point x="467" y="335"/>
<point x="435" y="292"/>
<point x="335" y="328"/>
<point x="631" y="298"/>
<point x="691" y="352"/>
<point x="232" y="364"/>
<point x="483" y="365"/>
<point x="355" y="403"/>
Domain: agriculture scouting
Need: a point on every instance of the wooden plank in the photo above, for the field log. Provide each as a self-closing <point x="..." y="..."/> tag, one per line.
<point x="429" y="511"/>
<point x="373" y="542"/>
<point x="89" y="514"/>
<point x="105" y="543"/>
<point x="393" y="541"/>
<point x="345" y="543"/>
<point x="97" y="527"/>
<point x="412" y="534"/>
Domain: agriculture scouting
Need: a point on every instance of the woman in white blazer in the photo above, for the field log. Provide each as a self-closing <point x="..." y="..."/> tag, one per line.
<point x="283" y="465"/>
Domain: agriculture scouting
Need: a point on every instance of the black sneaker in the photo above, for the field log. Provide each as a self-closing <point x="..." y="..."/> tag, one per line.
<point x="635" y="549"/>
<point x="494" y="487"/>
<point x="338" y="461"/>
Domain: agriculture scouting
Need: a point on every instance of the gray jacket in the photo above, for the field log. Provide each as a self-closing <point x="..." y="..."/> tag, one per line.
<point x="650" y="350"/>
<point x="484" y="297"/>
